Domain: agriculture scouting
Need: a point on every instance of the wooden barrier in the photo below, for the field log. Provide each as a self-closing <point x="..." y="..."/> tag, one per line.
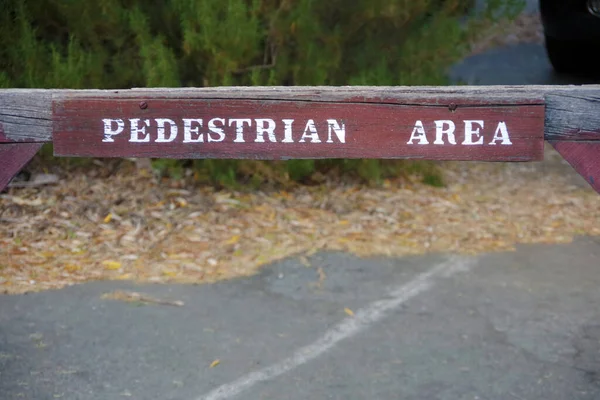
<point x="483" y="123"/>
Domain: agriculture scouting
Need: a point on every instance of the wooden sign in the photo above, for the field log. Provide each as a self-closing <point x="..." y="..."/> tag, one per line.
<point x="484" y="123"/>
<point x="285" y="129"/>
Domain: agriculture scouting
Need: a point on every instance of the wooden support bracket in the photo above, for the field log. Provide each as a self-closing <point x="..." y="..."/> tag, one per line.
<point x="13" y="157"/>
<point x="584" y="157"/>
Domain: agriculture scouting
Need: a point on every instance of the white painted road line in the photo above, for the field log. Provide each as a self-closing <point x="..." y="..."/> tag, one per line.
<point x="349" y="327"/>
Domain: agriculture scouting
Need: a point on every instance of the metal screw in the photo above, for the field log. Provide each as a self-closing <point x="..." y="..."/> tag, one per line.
<point x="143" y="105"/>
<point x="452" y="107"/>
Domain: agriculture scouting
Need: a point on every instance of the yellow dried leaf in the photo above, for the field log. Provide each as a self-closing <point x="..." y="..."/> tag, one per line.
<point x="108" y="218"/>
<point x="233" y="240"/>
<point x="215" y="363"/>
<point x="343" y="222"/>
<point x="349" y="312"/>
<point x="72" y="268"/>
<point x="112" y="265"/>
<point x="305" y="262"/>
<point x="322" y="275"/>
<point x="170" y="274"/>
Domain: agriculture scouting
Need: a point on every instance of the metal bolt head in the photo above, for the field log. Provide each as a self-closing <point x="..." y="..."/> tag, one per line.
<point x="143" y="105"/>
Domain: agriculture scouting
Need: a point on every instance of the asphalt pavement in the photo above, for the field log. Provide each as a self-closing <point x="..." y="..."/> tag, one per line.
<point x="521" y="325"/>
<point x="518" y="325"/>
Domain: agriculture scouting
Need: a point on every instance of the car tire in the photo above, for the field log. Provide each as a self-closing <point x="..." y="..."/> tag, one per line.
<point x="565" y="56"/>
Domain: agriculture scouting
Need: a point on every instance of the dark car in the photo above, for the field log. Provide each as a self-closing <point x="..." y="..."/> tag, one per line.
<point x="572" y="30"/>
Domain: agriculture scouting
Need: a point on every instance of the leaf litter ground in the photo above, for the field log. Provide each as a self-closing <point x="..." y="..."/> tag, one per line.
<point x="131" y="227"/>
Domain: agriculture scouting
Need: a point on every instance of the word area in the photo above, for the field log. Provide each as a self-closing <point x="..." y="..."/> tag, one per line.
<point x="472" y="133"/>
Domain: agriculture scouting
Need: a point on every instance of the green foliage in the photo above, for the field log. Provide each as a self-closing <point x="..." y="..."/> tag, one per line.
<point x="168" y="167"/>
<point x="137" y="43"/>
<point x="218" y="172"/>
<point x="428" y="172"/>
<point x="299" y="170"/>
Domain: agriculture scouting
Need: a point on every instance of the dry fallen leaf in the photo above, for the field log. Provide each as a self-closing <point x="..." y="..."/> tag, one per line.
<point x="233" y="240"/>
<point x="305" y="262"/>
<point x="36" y="180"/>
<point x="26" y="202"/>
<point x="111" y="265"/>
<point x="108" y="218"/>
<point x="72" y="268"/>
<point x="137" y="297"/>
<point x="215" y="363"/>
<point x="322" y="275"/>
<point x="349" y="312"/>
<point x="181" y="202"/>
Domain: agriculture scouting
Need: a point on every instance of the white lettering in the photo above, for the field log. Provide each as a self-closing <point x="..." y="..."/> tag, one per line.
<point x="470" y="132"/>
<point x="136" y="131"/>
<point x="418" y="133"/>
<point x="440" y="131"/>
<point x="268" y="130"/>
<point x="261" y="129"/>
<point x="215" y="129"/>
<point x="109" y="132"/>
<point x="287" y="131"/>
<point x="340" y="132"/>
<point x="188" y="130"/>
<point x="501" y="134"/>
<point x="160" y="131"/>
<point x="310" y="132"/>
<point x="239" y="128"/>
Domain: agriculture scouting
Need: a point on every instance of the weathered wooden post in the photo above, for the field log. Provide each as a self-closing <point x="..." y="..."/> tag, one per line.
<point x="496" y="123"/>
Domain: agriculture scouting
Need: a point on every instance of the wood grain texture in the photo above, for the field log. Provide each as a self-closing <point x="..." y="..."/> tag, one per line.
<point x="573" y="116"/>
<point x="371" y="130"/>
<point x="13" y="157"/>
<point x="584" y="157"/>
<point x="25" y="115"/>
<point x="421" y="95"/>
<point x="573" y="111"/>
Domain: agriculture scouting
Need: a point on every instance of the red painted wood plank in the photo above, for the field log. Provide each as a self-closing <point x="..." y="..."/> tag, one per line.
<point x="584" y="158"/>
<point x="13" y="157"/>
<point x="275" y="129"/>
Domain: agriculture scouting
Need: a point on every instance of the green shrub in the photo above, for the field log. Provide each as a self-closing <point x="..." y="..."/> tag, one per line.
<point x="137" y="43"/>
